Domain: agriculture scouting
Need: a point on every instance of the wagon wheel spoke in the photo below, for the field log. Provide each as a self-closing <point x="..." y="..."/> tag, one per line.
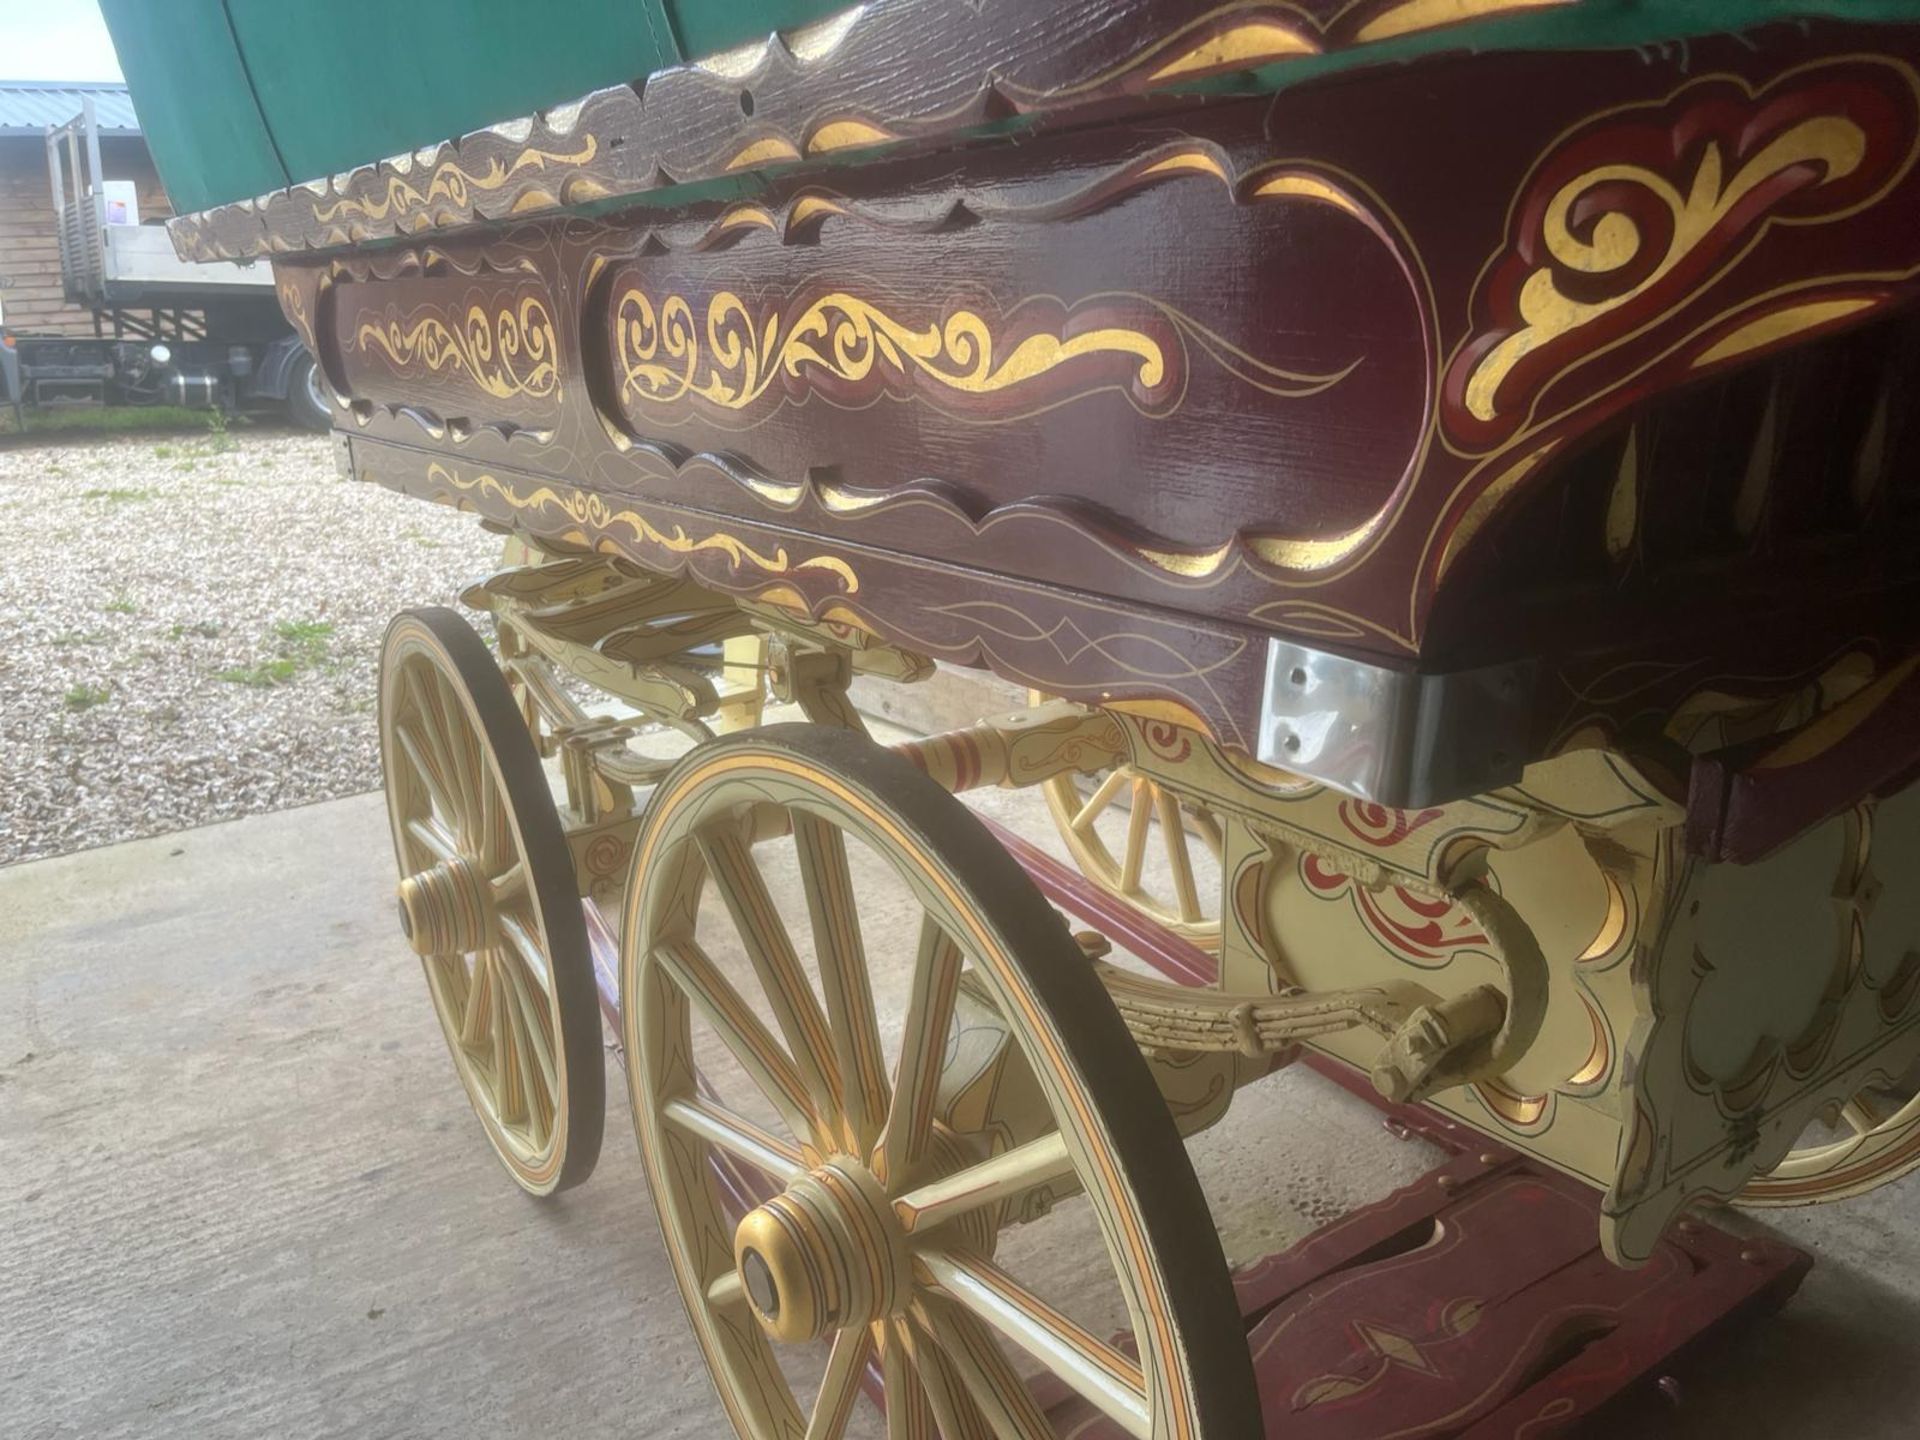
<point x="464" y="765"/>
<point x="841" y="951"/>
<point x="1103" y="796"/>
<point x="430" y="776"/>
<point x="433" y="725"/>
<point x="522" y="940"/>
<point x="954" y="1413"/>
<point x="494" y="844"/>
<point x="1139" y="818"/>
<point x="840" y="1386"/>
<point x="506" y="1073"/>
<point x="531" y="1016"/>
<point x="736" y="1135"/>
<point x="510" y="884"/>
<point x="731" y="868"/>
<point x="1095" y="1370"/>
<point x="923" y="1045"/>
<point x="1863" y="1115"/>
<point x="1008" y="1174"/>
<point x="740" y="1031"/>
<point x="428" y="835"/>
<point x="998" y="1393"/>
<point x="1173" y="835"/>
<point x="454" y="980"/>
<point x="477" y="1019"/>
<point x="908" y="1415"/>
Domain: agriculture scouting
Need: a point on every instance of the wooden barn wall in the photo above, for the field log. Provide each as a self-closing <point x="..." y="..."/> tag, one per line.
<point x="30" y="292"/>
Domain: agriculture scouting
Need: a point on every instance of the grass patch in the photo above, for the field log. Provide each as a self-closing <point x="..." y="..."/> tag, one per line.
<point x="302" y="645"/>
<point x="85" y="696"/>
<point x="263" y="676"/>
<point x="117" y="497"/>
<point x="205" y="629"/>
<point x="219" y="438"/>
<point x="304" y="632"/>
<point x="80" y="637"/>
<point x="106" y="420"/>
<point x="121" y="605"/>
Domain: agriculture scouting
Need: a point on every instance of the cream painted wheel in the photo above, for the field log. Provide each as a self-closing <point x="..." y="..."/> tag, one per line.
<point x="1878" y="1141"/>
<point x="488" y="901"/>
<point x="1154" y="822"/>
<point x="878" y="1232"/>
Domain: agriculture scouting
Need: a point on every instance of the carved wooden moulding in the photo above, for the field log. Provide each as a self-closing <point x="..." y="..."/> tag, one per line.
<point x="889" y="74"/>
<point x="1108" y="407"/>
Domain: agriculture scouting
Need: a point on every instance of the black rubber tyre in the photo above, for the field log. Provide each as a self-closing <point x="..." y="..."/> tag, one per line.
<point x="307" y="404"/>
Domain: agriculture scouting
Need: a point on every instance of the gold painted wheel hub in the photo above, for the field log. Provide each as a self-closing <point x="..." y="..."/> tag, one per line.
<point x="825" y="1254"/>
<point x="447" y="909"/>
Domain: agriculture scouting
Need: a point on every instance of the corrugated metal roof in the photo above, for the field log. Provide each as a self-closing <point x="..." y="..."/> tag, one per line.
<point x="28" y="107"/>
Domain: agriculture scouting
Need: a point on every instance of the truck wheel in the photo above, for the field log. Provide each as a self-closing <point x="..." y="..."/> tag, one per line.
<point x="307" y="403"/>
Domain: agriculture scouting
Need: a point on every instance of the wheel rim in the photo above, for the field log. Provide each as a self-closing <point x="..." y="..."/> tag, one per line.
<point x="1882" y="1145"/>
<point x="487" y="901"/>
<point x="317" y="391"/>
<point x="1087" y="811"/>
<point x="880" y="1238"/>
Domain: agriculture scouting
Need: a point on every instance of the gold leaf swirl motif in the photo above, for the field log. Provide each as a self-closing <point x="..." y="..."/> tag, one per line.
<point x="293" y="304"/>
<point x="590" y="510"/>
<point x="506" y="353"/>
<point x="664" y="357"/>
<point x="451" y="183"/>
<point x="1832" y="144"/>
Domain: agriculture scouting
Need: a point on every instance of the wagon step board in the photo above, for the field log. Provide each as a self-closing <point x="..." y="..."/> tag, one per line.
<point x="1473" y="1304"/>
<point x="1476" y="1304"/>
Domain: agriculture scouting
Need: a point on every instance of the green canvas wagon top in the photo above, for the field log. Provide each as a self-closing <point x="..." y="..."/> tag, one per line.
<point x="240" y="97"/>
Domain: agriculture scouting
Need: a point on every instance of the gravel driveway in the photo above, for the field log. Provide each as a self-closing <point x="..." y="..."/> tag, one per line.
<point x="189" y="630"/>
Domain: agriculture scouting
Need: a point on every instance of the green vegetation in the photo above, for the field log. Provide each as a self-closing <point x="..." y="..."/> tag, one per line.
<point x="121" y="605"/>
<point x="304" y="640"/>
<point x="86" y="695"/>
<point x="106" y="420"/>
<point x="117" y="497"/>
<point x="219" y="437"/>
<point x="302" y="645"/>
<point x="80" y="637"/>
<point x="205" y="629"/>
<point x="263" y="676"/>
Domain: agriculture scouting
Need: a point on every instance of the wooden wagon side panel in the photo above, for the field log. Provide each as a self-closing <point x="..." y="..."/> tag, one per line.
<point x="1279" y="365"/>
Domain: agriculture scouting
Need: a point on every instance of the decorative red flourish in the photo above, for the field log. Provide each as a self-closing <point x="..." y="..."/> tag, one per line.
<point x="1382" y="825"/>
<point x="1424" y="930"/>
<point x="1167" y="740"/>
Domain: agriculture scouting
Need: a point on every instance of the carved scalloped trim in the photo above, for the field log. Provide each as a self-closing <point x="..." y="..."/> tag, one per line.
<point x="629" y="139"/>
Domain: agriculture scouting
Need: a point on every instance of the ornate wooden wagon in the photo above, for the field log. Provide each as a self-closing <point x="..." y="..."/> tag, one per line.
<point x="1448" y="470"/>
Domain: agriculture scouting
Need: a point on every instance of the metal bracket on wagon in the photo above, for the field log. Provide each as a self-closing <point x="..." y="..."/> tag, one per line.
<point x="1393" y="736"/>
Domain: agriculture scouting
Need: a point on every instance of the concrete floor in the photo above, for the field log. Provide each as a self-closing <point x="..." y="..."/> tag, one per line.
<point x="243" y="1196"/>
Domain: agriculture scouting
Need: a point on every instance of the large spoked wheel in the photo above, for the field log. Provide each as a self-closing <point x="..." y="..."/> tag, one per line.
<point x="1875" y="1139"/>
<point x="879" y="1231"/>
<point x="487" y="900"/>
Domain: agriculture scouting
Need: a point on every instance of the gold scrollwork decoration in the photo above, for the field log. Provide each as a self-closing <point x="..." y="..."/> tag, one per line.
<point x="450" y="184"/>
<point x="593" y="513"/>
<point x="732" y="359"/>
<point x="506" y="352"/>
<point x="1833" y="146"/>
